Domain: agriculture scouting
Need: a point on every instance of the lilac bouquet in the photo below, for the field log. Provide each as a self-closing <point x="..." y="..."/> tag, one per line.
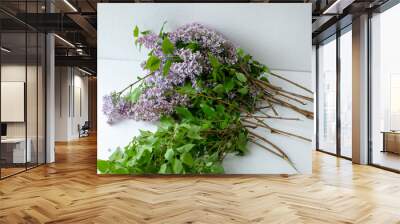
<point x="208" y="96"/>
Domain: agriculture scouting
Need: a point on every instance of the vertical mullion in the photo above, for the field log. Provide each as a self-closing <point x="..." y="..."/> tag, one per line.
<point x="369" y="89"/>
<point x="45" y="87"/>
<point x="37" y="90"/>
<point x="317" y="96"/>
<point x="338" y="73"/>
<point x="26" y="86"/>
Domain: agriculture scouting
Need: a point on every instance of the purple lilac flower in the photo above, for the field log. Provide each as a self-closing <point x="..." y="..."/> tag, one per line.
<point x="116" y="108"/>
<point x="159" y="97"/>
<point x="208" y="39"/>
<point x="149" y="40"/>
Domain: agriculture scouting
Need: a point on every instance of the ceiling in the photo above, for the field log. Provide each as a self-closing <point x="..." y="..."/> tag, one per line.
<point x="75" y="21"/>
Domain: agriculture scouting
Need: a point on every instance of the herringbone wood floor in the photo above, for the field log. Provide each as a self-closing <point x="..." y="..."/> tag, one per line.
<point x="69" y="191"/>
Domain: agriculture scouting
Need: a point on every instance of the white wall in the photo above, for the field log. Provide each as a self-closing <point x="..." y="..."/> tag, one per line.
<point x="69" y="82"/>
<point x="264" y="30"/>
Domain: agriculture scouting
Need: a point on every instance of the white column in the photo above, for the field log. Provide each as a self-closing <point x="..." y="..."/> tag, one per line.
<point x="360" y="90"/>
<point x="50" y="92"/>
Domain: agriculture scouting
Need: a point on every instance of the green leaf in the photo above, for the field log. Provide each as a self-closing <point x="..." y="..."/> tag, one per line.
<point x="145" y="32"/>
<point x="153" y="63"/>
<point x="184" y="113"/>
<point x="169" y="154"/>
<point x="214" y="61"/>
<point x="264" y="79"/>
<point x="187" y="159"/>
<point x="241" y="143"/>
<point x="167" y="67"/>
<point x="177" y="166"/>
<point x="217" y="168"/>
<point x="243" y="90"/>
<point x="135" y="94"/>
<point x="163" y="168"/>
<point x="167" y="46"/>
<point x="185" y="148"/>
<point x="119" y="170"/>
<point x="241" y="77"/>
<point x="220" y="109"/>
<point x="229" y="85"/>
<point x="136" y="32"/>
<point x="266" y="69"/>
<point x="240" y="52"/>
<point x="166" y="122"/>
<point x="193" y="46"/>
<point x="207" y="110"/>
<point x="187" y="89"/>
<point x="194" y="132"/>
<point x="219" y="89"/>
<point x="162" y="29"/>
<point x="117" y="155"/>
<point x="103" y="166"/>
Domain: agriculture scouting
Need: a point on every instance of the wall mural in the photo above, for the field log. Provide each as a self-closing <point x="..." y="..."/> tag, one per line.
<point x="209" y="99"/>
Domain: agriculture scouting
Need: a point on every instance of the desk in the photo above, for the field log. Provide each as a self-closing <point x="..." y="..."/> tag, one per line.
<point x="17" y="150"/>
<point x="391" y="141"/>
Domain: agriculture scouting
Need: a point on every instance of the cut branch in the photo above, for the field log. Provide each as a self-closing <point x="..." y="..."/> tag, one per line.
<point x="274" y="130"/>
<point x="137" y="81"/>
<point x="272" y="117"/>
<point x="306" y="113"/>
<point x="270" y="150"/>
<point x="291" y="82"/>
<point x="282" y="153"/>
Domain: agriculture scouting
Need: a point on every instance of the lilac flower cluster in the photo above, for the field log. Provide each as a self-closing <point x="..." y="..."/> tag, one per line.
<point x="158" y="96"/>
<point x="209" y="40"/>
<point x="150" y="40"/>
<point x="116" y="108"/>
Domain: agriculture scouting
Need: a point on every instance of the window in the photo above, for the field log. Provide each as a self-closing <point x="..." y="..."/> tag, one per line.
<point x="385" y="89"/>
<point x="346" y="93"/>
<point x="327" y="96"/>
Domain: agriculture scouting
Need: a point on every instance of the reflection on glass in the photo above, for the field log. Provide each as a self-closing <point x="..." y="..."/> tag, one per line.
<point x="385" y="83"/>
<point x="346" y="94"/>
<point x="41" y="98"/>
<point x="31" y="100"/>
<point x="15" y="151"/>
<point x="22" y="91"/>
<point x="327" y="96"/>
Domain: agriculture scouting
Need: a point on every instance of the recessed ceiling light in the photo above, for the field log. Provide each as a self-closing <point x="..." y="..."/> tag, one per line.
<point x="70" y="5"/>
<point x="5" y="50"/>
<point x="84" y="71"/>
<point x="65" y="41"/>
<point x="338" y="6"/>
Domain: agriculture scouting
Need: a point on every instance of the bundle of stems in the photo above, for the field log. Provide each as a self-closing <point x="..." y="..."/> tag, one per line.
<point x="257" y="117"/>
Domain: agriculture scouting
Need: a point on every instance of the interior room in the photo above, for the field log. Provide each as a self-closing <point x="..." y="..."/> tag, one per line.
<point x="110" y="113"/>
<point x="385" y="90"/>
<point x="22" y="100"/>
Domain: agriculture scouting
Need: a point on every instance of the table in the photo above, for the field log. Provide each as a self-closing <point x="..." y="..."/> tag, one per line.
<point x="17" y="150"/>
<point x="391" y="141"/>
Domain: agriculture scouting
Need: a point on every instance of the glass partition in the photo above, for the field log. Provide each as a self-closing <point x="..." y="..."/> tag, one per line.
<point x="14" y="153"/>
<point x="32" y="96"/>
<point x="23" y="89"/>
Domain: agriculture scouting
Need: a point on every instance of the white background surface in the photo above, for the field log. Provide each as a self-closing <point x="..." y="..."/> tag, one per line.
<point x="278" y="35"/>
